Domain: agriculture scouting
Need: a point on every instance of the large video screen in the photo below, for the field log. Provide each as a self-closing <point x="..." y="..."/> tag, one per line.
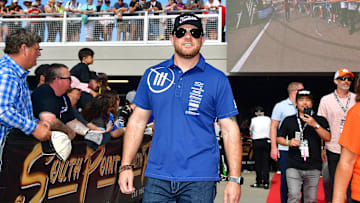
<point x="293" y="36"/>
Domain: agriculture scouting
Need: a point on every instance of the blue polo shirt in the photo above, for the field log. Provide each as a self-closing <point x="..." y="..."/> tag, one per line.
<point x="185" y="105"/>
<point x="282" y="110"/>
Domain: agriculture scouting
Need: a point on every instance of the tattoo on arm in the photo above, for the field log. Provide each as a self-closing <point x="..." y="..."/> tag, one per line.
<point x="58" y="125"/>
<point x="77" y="126"/>
<point x="232" y="118"/>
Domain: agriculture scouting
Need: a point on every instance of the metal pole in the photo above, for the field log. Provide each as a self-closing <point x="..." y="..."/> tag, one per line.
<point x="64" y="28"/>
<point x="146" y="26"/>
<point x="219" y="25"/>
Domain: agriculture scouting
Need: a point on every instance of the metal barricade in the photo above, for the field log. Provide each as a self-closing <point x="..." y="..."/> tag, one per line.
<point x="138" y="27"/>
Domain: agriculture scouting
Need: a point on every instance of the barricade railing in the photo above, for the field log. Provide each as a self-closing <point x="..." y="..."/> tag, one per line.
<point x="108" y="27"/>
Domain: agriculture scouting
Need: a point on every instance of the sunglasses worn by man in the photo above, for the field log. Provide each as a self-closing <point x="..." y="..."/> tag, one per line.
<point x="194" y="32"/>
<point x="345" y="78"/>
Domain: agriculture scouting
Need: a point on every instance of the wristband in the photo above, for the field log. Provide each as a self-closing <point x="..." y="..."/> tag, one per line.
<point x="288" y="142"/>
<point x="126" y="167"/>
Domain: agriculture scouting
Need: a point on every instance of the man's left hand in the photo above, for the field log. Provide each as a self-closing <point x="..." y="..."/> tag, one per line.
<point x="232" y="192"/>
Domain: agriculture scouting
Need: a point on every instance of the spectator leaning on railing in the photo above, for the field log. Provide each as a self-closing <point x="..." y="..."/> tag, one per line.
<point x="122" y="26"/>
<point x="195" y="4"/>
<point x="140" y="30"/>
<point x="87" y="9"/>
<point x="99" y="28"/>
<point x="181" y="5"/>
<point x="51" y="25"/>
<point x="34" y="11"/>
<point x="27" y="4"/>
<point x="211" y="23"/>
<point x="152" y="6"/>
<point x="41" y="23"/>
<point x="3" y="25"/>
<point x="59" y="24"/>
<point x="108" y="25"/>
<point x="171" y="6"/>
<point x="73" y="26"/>
<point x="135" y="24"/>
<point x="14" y="8"/>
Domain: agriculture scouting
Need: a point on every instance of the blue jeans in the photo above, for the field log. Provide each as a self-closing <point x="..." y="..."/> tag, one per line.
<point x="282" y="166"/>
<point x="309" y="179"/>
<point x="163" y="191"/>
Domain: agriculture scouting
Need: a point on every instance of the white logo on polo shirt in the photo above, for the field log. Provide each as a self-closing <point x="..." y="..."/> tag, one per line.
<point x="160" y="79"/>
<point x="195" y="98"/>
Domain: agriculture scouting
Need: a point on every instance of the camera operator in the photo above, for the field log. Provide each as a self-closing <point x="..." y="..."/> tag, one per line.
<point x="304" y="131"/>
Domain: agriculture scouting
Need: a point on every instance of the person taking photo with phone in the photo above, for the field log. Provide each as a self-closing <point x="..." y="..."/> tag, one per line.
<point x="305" y="132"/>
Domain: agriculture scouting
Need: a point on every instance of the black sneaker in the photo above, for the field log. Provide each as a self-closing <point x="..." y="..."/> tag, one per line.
<point x="256" y="185"/>
<point x="266" y="186"/>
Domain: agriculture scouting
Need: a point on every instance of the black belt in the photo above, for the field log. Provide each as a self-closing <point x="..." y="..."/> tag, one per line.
<point x="261" y="139"/>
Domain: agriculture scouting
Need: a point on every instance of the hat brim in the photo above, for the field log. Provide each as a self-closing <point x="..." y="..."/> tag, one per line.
<point x="345" y="74"/>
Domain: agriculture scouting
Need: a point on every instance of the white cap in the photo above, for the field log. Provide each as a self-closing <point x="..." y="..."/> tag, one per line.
<point x="62" y="144"/>
<point x="130" y="96"/>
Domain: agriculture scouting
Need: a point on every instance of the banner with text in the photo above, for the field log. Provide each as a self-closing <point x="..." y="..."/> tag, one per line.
<point x="86" y="176"/>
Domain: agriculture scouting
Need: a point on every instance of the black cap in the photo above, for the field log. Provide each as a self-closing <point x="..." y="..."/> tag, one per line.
<point x="94" y="75"/>
<point x="303" y="93"/>
<point x="187" y="19"/>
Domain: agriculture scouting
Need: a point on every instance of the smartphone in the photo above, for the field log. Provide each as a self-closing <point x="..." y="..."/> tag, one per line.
<point x="307" y="111"/>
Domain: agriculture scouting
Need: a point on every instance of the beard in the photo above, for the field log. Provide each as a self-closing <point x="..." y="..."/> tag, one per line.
<point x="343" y="87"/>
<point x="187" y="55"/>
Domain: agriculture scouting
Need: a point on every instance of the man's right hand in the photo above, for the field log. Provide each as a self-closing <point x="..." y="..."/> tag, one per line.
<point x="126" y="181"/>
<point x="42" y="131"/>
<point x="275" y="154"/>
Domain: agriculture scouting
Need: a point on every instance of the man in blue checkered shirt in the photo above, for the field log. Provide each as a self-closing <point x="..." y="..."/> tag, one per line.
<point x="21" y="51"/>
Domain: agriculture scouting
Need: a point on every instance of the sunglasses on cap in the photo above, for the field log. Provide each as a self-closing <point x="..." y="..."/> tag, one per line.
<point x="345" y="78"/>
<point x="195" y="32"/>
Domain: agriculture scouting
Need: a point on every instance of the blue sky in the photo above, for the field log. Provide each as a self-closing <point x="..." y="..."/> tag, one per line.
<point x="164" y="2"/>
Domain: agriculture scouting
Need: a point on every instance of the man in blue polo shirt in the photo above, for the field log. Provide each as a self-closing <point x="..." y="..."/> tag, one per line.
<point x="282" y="110"/>
<point x="186" y="95"/>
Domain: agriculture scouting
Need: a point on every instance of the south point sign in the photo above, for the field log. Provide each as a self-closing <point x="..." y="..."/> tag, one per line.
<point x="87" y="175"/>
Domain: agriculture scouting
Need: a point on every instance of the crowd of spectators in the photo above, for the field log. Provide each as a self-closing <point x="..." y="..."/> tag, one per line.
<point x="102" y="30"/>
<point x="93" y="103"/>
<point x="343" y="13"/>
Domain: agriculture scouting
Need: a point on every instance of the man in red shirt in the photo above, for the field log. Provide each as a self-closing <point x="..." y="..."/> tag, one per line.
<point x="34" y="11"/>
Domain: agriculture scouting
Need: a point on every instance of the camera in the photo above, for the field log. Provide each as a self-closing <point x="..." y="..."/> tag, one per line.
<point x="308" y="111"/>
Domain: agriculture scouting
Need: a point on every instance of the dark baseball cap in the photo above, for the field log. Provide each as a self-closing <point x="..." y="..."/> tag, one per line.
<point x="187" y="19"/>
<point x="94" y="75"/>
<point x="303" y="93"/>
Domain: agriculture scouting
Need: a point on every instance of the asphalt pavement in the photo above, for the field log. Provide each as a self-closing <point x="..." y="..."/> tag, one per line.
<point x="248" y="194"/>
<point x="304" y="44"/>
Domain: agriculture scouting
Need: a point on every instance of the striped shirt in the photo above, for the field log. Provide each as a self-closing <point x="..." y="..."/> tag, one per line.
<point x="15" y="102"/>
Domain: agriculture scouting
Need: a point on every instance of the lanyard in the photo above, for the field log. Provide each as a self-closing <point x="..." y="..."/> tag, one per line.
<point x="345" y="109"/>
<point x="300" y="128"/>
<point x="64" y="108"/>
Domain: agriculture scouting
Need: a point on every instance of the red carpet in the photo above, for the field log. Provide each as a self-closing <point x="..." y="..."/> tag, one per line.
<point x="274" y="193"/>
